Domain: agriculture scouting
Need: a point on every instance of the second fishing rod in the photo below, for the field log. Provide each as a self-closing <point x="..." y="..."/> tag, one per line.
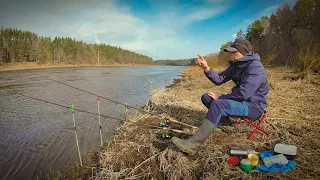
<point x="117" y="102"/>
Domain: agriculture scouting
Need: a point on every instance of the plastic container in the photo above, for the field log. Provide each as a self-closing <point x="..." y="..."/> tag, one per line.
<point x="254" y="159"/>
<point x="233" y="161"/>
<point x="245" y="165"/>
<point x="280" y="158"/>
<point x="240" y="152"/>
<point x="289" y="151"/>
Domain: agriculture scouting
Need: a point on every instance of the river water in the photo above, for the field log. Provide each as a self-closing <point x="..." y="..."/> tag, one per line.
<point x="36" y="137"/>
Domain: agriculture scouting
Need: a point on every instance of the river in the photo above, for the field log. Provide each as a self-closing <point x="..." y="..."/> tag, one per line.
<point x="36" y="137"/>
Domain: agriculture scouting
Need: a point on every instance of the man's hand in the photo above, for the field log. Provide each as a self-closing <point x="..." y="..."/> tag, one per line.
<point x="214" y="95"/>
<point x="203" y="63"/>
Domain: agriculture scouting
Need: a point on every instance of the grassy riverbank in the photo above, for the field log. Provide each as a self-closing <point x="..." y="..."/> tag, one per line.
<point x="138" y="152"/>
<point x="34" y="65"/>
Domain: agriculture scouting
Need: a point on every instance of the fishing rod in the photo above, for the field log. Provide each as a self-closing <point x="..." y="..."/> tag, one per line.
<point x="117" y="102"/>
<point x="80" y="110"/>
<point x="68" y="107"/>
<point x="99" y="120"/>
<point x="75" y="132"/>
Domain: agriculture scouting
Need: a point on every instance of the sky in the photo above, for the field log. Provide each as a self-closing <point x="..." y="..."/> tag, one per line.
<point x="161" y="29"/>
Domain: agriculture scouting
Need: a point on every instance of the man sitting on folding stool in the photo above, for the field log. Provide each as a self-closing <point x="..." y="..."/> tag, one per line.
<point x="247" y="99"/>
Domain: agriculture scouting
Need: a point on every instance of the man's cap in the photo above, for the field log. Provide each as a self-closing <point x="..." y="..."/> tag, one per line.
<point x="230" y="49"/>
<point x="241" y="45"/>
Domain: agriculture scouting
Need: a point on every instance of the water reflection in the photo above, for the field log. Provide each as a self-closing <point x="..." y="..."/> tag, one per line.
<point x="36" y="137"/>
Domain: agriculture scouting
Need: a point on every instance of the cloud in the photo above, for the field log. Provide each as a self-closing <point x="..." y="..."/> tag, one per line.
<point x="268" y="11"/>
<point x="215" y="1"/>
<point x="234" y="35"/>
<point x="124" y="29"/>
<point x="218" y="1"/>
<point x="203" y="14"/>
<point x="96" y="40"/>
<point x="100" y="21"/>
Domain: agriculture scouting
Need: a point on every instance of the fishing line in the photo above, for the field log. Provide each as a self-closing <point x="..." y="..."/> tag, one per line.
<point x="80" y="110"/>
<point x="117" y="102"/>
<point x="68" y="107"/>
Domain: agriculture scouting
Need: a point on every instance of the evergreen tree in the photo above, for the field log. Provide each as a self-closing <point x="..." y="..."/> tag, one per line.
<point x="240" y="34"/>
<point x="290" y="36"/>
<point x="1" y="46"/>
<point x="25" y="46"/>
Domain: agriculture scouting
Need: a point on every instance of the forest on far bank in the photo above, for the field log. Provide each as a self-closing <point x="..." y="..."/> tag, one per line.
<point x="179" y="62"/>
<point x="25" y="46"/>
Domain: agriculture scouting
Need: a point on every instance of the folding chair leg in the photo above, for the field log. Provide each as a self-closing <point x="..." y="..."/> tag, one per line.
<point x="237" y="124"/>
<point x="257" y="127"/>
<point x="252" y="134"/>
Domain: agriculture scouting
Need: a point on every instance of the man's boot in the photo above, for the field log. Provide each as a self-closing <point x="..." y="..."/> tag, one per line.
<point x="225" y="124"/>
<point x="192" y="145"/>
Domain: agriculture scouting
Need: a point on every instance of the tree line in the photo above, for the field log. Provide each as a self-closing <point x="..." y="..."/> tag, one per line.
<point x="289" y="37"/>
<point x="24" y="46"/>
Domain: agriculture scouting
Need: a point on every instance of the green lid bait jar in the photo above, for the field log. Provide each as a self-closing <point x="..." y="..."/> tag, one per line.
<point x="245" y="165"/>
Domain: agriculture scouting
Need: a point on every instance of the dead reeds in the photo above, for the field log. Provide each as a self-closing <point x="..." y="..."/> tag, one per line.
<point x="138" y="152"/>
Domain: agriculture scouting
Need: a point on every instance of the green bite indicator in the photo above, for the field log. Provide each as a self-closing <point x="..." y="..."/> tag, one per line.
<point x="72" y="108"/>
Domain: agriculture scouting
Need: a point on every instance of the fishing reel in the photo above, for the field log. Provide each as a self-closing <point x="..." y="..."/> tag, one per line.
<point x="165" y="130"/>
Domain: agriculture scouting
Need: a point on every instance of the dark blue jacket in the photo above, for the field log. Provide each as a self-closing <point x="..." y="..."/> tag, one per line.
<point x="250" y="78"/>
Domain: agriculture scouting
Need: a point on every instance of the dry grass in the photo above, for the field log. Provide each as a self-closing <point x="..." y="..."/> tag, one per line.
<point x="137" y="152"/>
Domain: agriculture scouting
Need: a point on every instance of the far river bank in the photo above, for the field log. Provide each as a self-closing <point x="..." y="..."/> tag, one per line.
<point x="34" y="65"/>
